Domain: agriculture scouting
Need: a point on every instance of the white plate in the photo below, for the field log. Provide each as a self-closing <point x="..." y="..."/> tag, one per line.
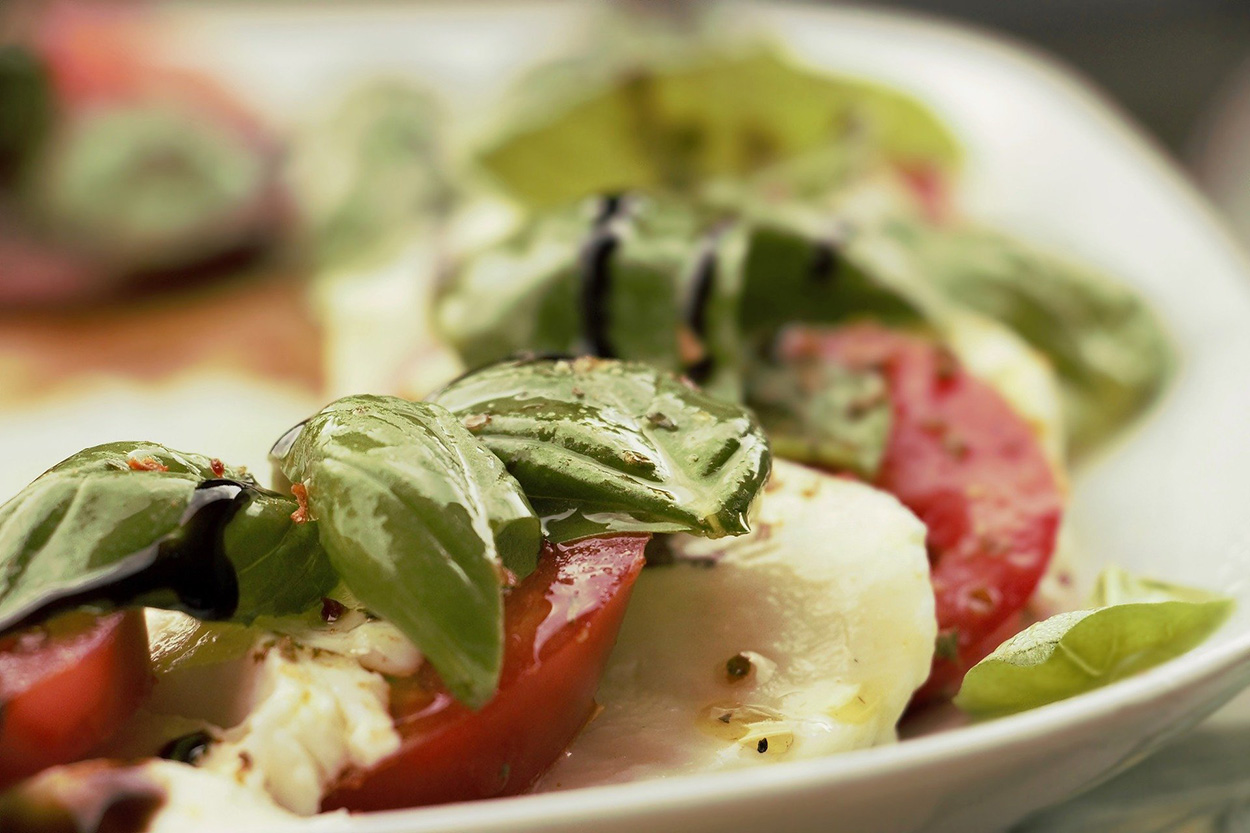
<point x="1048" y="160"/>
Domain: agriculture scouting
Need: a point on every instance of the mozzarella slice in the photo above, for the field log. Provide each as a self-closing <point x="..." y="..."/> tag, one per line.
<point x="805" y="637"/>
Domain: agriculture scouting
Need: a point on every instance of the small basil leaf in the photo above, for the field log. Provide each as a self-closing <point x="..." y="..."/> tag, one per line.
<point x="1075" y="652"/>
<point x="602" y="436"/>
<point x="823" y="414"/>
<point x="415" y="514"/>
<point x="129" y="524"/>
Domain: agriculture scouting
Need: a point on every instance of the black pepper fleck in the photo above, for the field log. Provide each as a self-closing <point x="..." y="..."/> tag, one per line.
<point x="738" y="667"/>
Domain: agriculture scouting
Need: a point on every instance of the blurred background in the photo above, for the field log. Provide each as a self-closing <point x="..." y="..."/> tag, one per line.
<point x="1172" y="64"/>
<point x="1180" y="68"/>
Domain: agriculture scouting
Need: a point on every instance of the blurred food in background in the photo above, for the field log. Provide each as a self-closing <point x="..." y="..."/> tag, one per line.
<point x="117" y="173"/>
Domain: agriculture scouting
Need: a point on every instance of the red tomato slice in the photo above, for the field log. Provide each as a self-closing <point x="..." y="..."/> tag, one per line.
<point x="971" y="469"/>
<point x="67" y="686"/>
<point x="561" y="623"/>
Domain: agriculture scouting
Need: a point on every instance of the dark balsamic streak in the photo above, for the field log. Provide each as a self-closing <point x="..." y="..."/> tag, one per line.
<point x="596" y="277"/>
<point x="609" y="206"/>
<point x="702" y="285"/>
<point x="190" y="561"/>
<point x="188" y="749"/>
<point x="824" y="264"/>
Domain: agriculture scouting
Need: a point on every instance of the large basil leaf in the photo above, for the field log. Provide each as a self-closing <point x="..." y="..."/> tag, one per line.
<point x="620" y="444"/>
<point x="1106" y="345"/>
<point x="1147" y="624"/>
<point x="128" y="524"/>
<point x="713" y="116"/>
<point x="416" y="515"/>
<point x="822" y="413"/>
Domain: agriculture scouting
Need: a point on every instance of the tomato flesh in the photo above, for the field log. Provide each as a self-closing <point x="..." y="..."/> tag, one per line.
<point x="560" y="624"/>
<point x="66" y="687"/>
<point x="972" y="470"/>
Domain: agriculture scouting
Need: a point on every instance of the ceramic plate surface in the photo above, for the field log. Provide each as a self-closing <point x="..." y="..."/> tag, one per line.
<point x="1047" y="160"/>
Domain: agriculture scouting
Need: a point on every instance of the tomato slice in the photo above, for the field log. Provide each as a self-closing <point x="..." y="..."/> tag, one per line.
<point x="561" y="623"/>
<point x="972" y="470"/>
<point x="67" y="686"/>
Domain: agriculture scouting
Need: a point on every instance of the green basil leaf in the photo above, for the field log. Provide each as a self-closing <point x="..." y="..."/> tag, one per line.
<point x="415" y="514"/>
<point x="281" y="566"/>
<point x="96" y="532"/>
<point x="714" y="116"/>
<point x="603" y="436"/>
<point x="1075" y="652"/>
<point x="822" y="413"/>
<point x="792" y="276"/>
<point x="1110" y="351"/>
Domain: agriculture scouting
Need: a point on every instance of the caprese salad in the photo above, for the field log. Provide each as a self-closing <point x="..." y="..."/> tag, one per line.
<point x="745" y="463"/>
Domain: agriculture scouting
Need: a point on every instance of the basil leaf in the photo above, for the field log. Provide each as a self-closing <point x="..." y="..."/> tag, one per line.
<point x="715" y="116"/>
<point x="281" y="566"/>
<point x="621" y="438"/>
<point x="792" y="276"/>
<point x="1075" y="652"/>
<point x="822" y="413"/>
<point x="130" y="524"/>
<point x="415" y="514"/>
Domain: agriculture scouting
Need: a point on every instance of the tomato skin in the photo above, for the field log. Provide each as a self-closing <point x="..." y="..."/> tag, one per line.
<point x="68" y="686"/>
<point x="972" y="470"/>
<point x="560" y="623"/>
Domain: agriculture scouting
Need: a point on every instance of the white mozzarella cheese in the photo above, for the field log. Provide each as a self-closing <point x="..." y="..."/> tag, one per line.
<point x="824" y="613"/>
<point x="315" y="715"/>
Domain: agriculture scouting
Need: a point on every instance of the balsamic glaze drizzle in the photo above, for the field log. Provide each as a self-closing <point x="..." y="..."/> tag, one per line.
<point x="190" y="561"/>
<point x="596" y="276"/>
<point x="702" y="285"/>
<point x="824" y="264"/>
<point x="187" y="749"/>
